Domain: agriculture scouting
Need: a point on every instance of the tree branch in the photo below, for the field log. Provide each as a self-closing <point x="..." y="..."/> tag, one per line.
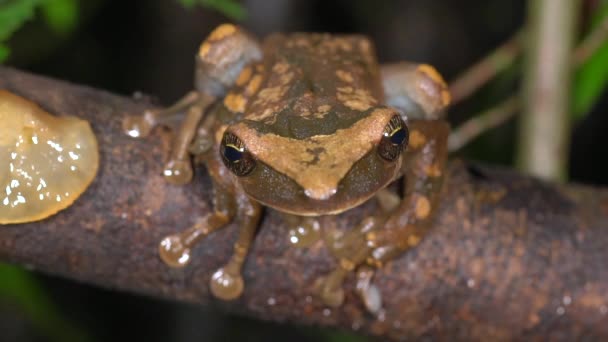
<point x="510" y="257"/>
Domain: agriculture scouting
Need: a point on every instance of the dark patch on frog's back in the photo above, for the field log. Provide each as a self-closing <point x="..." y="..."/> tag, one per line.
<point x="293" y="126"/>
<point x="314" y="60"/>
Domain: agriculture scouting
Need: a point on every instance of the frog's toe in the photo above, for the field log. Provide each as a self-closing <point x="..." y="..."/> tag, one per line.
<point x="136" y="126"/>
<point x="369" y="293"/>
<point x="330" y="294"/>
<point x="305" y="233"/>
<point x="178" y="172"/>
<point x="226" y="284"/>
<point x="173" y="252"/>
<point x="371" y="298"/>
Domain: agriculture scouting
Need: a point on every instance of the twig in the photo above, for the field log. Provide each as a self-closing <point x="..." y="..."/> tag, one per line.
<point x="480" y="73"/>
<point x="591" y="43"/>
<point x="465" y="133"/>
<point x="483" y="122"/>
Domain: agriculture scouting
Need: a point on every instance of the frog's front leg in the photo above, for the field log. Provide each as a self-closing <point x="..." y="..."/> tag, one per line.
<point x="383" y="237"/>
<point x="227" y="282"/>
<point x="175" y="249"/>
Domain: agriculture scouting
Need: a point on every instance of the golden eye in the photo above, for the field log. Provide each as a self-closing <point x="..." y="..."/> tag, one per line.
<point x="394" y="139"/>
<point x="235" y="156"/>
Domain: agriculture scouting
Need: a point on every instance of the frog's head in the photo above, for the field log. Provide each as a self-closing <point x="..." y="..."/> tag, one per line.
<point x="317" y="174"/>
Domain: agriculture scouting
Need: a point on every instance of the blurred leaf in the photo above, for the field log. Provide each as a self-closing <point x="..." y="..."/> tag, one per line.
<point x="23" y="289"/>
<point x="188" y="3"/>
<point x="13" y="14"/>
<point x="61" y="15"/>
<point x="4" y="52"/>
<point x="230" y="8"/>
<point x="592" y="77"/>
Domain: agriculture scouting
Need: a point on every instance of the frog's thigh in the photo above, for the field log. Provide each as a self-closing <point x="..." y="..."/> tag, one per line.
<point x="222" y="57"/>
<point x="417" y="90"/>
<point x="424" y="165"/>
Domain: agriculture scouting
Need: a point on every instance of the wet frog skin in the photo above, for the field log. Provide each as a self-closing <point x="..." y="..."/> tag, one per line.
<point x="309" y="125"/>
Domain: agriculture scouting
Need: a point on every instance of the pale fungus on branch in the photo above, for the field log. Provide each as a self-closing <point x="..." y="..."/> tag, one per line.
<point x="47" y="161"/>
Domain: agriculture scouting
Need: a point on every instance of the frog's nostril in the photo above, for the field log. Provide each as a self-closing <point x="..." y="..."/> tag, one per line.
<point x="320" y="193"/>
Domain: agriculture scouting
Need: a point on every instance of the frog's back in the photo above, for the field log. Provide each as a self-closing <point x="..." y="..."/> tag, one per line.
<point x="312" y="84"/>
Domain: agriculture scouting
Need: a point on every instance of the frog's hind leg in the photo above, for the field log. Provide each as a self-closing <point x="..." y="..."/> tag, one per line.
<point x="417" y="90"/>
<point x="139" y="126"/>
<point x="178" y="169"/>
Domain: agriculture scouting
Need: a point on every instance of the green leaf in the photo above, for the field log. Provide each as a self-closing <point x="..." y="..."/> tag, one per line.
<point x="61" y="15"/>
<point x="591" y="78"/>
<point x="230" y="8"/>
<point x="13" y="14"/>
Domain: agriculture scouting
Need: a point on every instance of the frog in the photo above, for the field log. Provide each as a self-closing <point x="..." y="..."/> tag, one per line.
<point x="309" y="125"/>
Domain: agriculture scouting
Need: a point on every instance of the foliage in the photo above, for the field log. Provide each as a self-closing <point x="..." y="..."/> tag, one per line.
<point x="229" y="8"/>
<point x="60" y="15"/>
<point x="21" y="288"/>
<point x="592" y="77"/>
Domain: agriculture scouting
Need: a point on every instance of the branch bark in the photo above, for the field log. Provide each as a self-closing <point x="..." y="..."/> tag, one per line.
<point x="510" y="257"/>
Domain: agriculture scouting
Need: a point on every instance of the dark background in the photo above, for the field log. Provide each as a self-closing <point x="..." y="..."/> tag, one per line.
<point x="149" y="46"/>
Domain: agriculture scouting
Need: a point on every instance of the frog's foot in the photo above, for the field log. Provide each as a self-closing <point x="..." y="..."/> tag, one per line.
<point x="227" y="282"/>
<point x="329" y="288"/>
<point x="368" y="292"/>
<point x="178" y="171"/>
<point x="139" y="126"/>
<point x="304" y="232"/>
<point x="173" y="251"/>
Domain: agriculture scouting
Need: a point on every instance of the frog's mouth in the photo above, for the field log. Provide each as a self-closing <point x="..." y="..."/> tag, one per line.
<point x="314" y="207"/>
<point x="274" y="189"/>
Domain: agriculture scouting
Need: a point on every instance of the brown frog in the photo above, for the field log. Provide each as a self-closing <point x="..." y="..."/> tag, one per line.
<point x="307" y="124"/>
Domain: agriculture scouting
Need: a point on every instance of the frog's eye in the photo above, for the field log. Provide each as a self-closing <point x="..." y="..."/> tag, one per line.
<point x="394" y="139"/>
<point x="235" y="155"/>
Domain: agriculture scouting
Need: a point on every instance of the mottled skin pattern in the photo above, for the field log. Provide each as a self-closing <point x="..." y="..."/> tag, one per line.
<point x="300" y="124"/>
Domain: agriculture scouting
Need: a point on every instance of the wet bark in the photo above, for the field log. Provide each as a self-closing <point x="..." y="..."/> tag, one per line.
<point x="510" y="257"/>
